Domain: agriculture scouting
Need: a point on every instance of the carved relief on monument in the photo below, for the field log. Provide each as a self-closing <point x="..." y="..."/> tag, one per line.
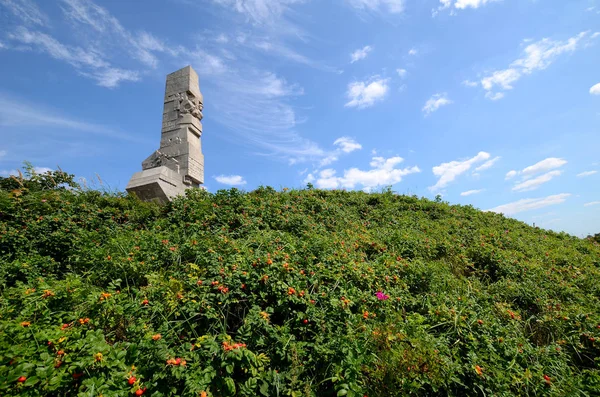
<point x="186" y="102"/>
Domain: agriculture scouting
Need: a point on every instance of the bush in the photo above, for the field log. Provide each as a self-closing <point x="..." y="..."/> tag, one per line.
<point x="292" y="293"/>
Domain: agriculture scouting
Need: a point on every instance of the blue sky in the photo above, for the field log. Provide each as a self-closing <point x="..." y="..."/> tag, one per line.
<point x="494" y="103"/>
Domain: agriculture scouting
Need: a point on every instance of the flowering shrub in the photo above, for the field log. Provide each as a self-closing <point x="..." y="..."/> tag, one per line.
<point x="293" y="293"/>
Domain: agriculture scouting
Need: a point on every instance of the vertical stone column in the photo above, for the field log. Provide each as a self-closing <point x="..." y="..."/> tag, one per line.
<point x="178" y="164"/>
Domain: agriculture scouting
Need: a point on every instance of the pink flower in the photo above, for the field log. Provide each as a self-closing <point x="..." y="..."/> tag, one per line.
<point x="381" y="296"/>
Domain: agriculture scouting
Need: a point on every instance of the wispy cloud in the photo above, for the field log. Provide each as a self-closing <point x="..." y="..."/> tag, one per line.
<point x="472" y="192"/>
<point x="436" y="102"/>
<point x="27" y="11"/>
<point x="382" y="6"/>
<point x="448" y="172"/>
<point x="361" y="53"/>
<point x="402" y="73"/>
<point x="232" y="180"/>
<point x="462" y="4"/>
<point x="88" y="62"/>
<point x="36" y="169"/>
<point x="383" y="172"/>
<point x="591" y="203"/>
<point x="586" y="173"/>
<point x="344" y="145"/>
<point x="363" y="94"/>
<point x="488" y="164"/>
<point x="459" y="4"/>
<point x="531" y="204"/>
<point x="595" y="90"/>
<point x="536" y="56"/>
<point x="532" y="184"/>
<point x="544" y="166"/>
<point x="347" y="145"/>
<point x="18" y="112"/>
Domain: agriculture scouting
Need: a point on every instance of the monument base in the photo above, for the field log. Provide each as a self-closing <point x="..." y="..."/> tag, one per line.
<point x="156" y="184"/>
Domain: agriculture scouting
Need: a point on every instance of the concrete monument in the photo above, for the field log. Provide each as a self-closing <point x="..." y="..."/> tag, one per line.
<point x="178" y="164"/>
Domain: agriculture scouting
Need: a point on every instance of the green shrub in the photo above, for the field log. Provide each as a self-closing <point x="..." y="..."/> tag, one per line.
<point x="275" y="293"/>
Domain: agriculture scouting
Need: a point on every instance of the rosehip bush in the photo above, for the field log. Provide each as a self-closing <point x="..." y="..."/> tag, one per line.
<point x="291" y="293"/>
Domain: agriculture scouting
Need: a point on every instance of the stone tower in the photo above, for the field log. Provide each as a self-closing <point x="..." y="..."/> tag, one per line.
<point x="178" y="164"/>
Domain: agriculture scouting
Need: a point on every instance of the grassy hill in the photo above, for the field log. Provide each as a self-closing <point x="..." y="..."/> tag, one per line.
<point x="291" y="293"/>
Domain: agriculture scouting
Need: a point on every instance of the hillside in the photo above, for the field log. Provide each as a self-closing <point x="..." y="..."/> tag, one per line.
<point x="290" y="293"/>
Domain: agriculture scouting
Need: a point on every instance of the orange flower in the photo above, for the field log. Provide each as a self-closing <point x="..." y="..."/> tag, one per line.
<point x="104" y="295"/>
<point x="291" y="291"/>
<point x="203" y="394"/>
<point x="47" y="293"/>
<point x="156" y="337"/>
<point x="25" y="324"/>
<point x="84" y="320"/>
<point x="264" y="315"/>
<point x="479" y="370"/>
<point x="365" y="315"/>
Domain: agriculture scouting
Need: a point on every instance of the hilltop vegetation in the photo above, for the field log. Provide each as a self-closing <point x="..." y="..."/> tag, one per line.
<point x="291" y="293"/>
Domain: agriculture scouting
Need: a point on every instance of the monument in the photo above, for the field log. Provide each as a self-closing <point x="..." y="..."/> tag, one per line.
<point x="178" y="164"/>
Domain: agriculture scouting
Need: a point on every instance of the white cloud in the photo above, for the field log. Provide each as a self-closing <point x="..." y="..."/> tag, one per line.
<point x="586" y="173"/>
<point x="530" y="204"/>
<point x="109" y="30"/>
<point x="412" y="51"/>
<point x="595" y="90"/>
<point x="361" y="53"/>
<point x="26" y="10"/>
<point x="347" y="144"/>
<point x="543" y="166"/>
<point x="89" y="63"/>
<point x="37" y="170"/>
<point x="494" y="96"/>
<point x="383" y="172"/>
<point x="233" y="180"/>
<point x="391" y="6"/>
<point x="532" y="184"/>
<point x="488" y="164"/>
<point x="269" y="13"/>
<point x="222" y="39"/>
<point x="471" y="192"/>
<point x="344" y="145"/>
<point x="363" y="94"/>
<point x="591" y="203"/>
<point x="470" y="83"/>
<point x="448" y="172"/>
<point x="536" y="56"/>
<point x="402" y="73"/>
<point x="112" y="77"/>
<point x="511" y="174"/>
<point x="435" y="102"/>
<point x="462" y="4"/>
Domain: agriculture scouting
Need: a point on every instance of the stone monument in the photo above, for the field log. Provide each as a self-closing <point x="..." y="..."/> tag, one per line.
<point x="178" y="164"/>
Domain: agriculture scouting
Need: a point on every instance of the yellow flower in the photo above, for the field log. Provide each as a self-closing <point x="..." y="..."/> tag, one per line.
<point x="98" y="356"/>
<point x="265" y="315"/>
